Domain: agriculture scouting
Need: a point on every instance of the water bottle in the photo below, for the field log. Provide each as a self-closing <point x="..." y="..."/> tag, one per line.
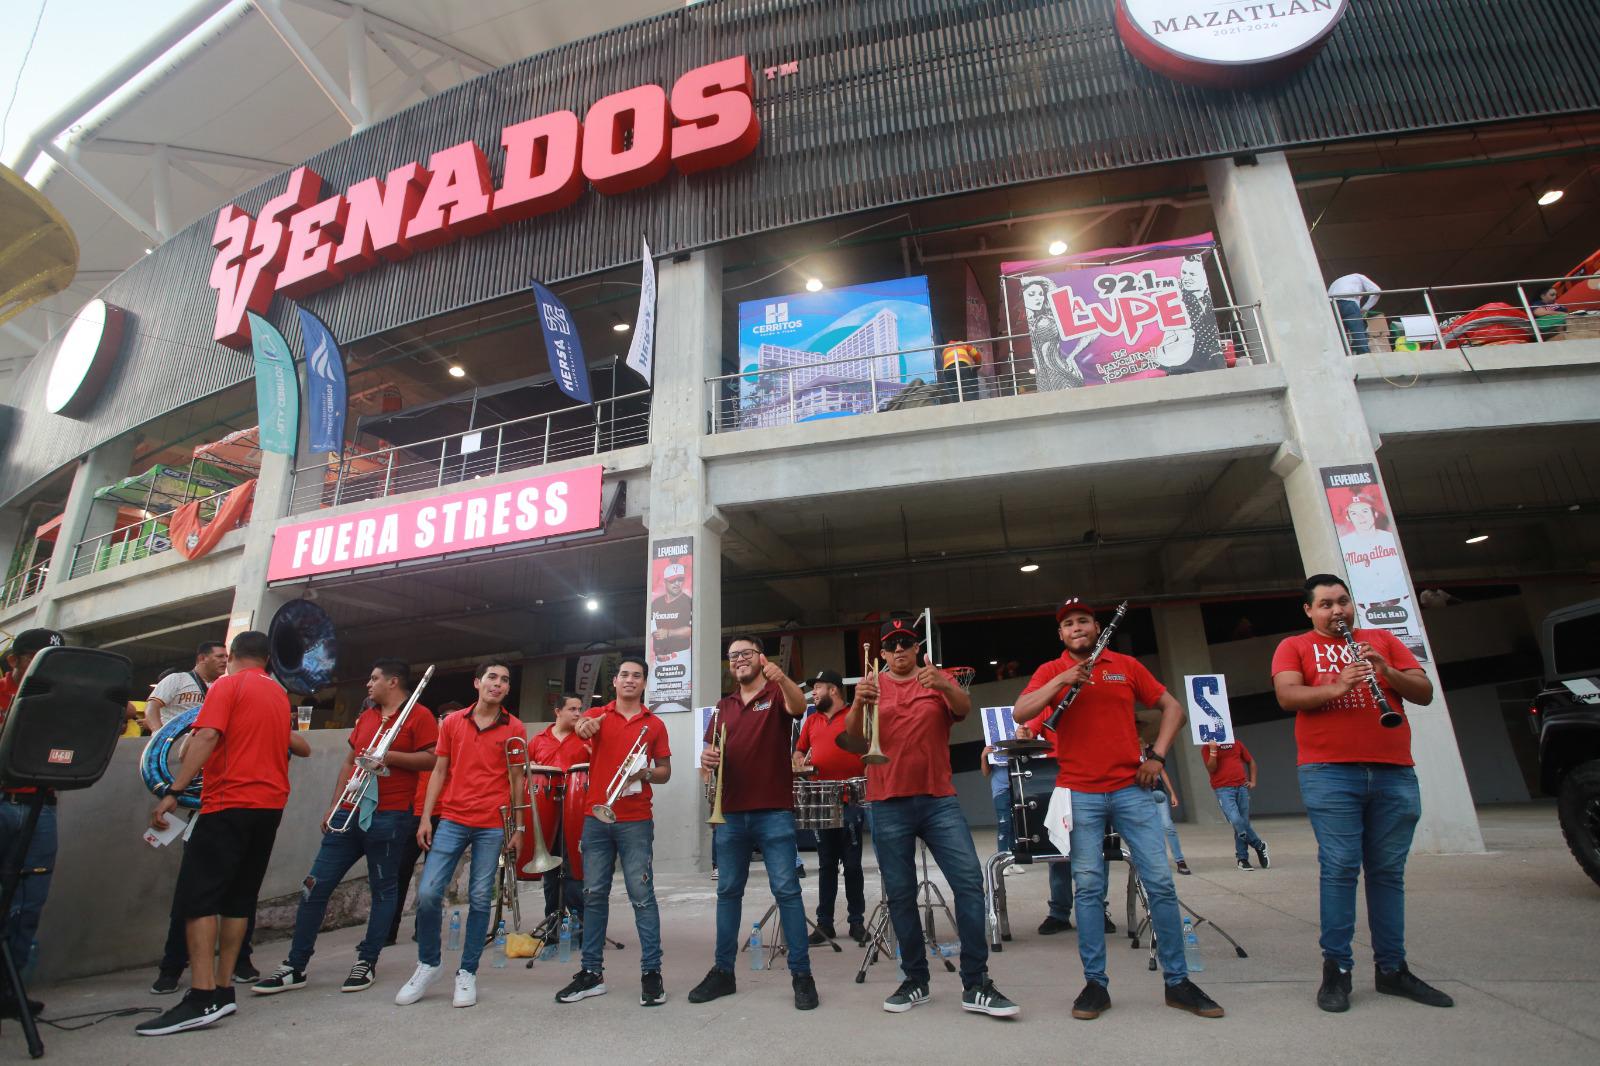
<point x="499" y="961"/>
<point x="758" y="954"/>
<point x="566" y="940"/>
<point x="454" y="943"/>
<point x="1191" y="948"/>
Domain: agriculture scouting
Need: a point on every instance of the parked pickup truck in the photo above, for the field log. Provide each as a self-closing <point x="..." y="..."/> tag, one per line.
<point x="1566" y="718"/>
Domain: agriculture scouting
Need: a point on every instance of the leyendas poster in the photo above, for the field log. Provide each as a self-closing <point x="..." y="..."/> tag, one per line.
<point x="1373" y="565"/>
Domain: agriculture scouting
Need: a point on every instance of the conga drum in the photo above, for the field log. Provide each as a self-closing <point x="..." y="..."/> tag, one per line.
<point x="574" y="808"/>
<point x="542" y="786"/>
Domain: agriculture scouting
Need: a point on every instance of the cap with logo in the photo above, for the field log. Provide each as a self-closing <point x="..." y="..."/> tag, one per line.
<point x="32" y="641"/>
<point x="1070" y="604"/>
<point x="673" y="570"/>
<point x="828" y="677"/>
<point x="900" y="623"/>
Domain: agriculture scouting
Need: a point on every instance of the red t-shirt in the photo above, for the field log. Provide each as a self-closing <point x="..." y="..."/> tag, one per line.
<point x="1230" y="770"/>
<point x="396" y="790"/>
<point x="8" y="692"/>
<point x="1347" y="729"/>
<point x="547" y="749"/>
<point x="756" y="770"/>
<point x="1097" y="738"/>
<point x="250" y="766"/>
<point x="612" y="744"/>
<point x="915" y="726"/>
<point x="819" y="736"/>
<point x="477" y="785"/>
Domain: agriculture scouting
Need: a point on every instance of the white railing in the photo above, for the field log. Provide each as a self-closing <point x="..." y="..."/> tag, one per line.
<point x="831" y="388"/>
<point x="615" y="422"/>
<point x="137" y="540"/>
<point x="24" y="583"/>
<point x="1473" y="315"/>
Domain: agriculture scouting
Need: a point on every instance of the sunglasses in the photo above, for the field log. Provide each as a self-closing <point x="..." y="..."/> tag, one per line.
<point x="899" y="643"/>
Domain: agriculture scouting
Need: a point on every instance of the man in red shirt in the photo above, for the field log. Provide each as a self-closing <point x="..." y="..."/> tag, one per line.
<point x="377" y="832"/>
<point x="561" y="746"/>
<point x="1357" y="781"/>
<point x="242" y="741"/>
<point x="1101" y="761"/>
<point x="614" y="730"/>
<point x="758" y="803"/>
<point x="913" y="796"/>
<point x="818" y="748"/>
<point x="1233" y="775"/>
<point x="468" y="786"/>
<point x="411" y="851"/>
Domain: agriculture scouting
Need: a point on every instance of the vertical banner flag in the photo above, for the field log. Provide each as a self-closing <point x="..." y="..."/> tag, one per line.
<point x="669" y="631"/>
<point x="978" y="323"/>
<point x="998" y="725"/>
<point x="1379" y="584"/>
<point x="642" y="349"/>
<point x="587" y="675"/>
<point x="562" y="344"/>
<point x="325" y="387"/>
<point x="277" y="387"/>
<point x="1209" y="718"/>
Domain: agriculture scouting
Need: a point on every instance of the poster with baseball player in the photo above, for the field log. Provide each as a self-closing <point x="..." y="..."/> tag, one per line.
<point x="671" y="622"/>
<point x="1379" y="583"/>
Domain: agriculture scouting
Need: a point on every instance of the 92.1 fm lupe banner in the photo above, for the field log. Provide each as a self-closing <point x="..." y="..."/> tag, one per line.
<point x="669" y="636"/>
<point x="1379" y="584"/>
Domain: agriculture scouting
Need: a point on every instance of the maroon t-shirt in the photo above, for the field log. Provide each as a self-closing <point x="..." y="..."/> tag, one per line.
<point x="756" y="771"/>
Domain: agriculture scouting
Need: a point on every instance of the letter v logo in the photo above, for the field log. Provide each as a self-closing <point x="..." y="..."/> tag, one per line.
<point x="250" y="252"/>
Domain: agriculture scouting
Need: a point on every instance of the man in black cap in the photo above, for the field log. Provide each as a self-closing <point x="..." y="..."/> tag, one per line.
<point x="40" y="860"/>
<point x="818" y="748"/>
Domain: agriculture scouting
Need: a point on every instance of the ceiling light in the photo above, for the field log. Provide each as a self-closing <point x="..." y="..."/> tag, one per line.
<point x="1028" y="565"/>
<point x="147" y="251"/>
<point x="591" y="604"/>
<point x="1058" y="247"/>
<point x="458" y="372"/>
<point x="1550" y="196"/>
<point x="1474" y="537"/>
<point x="619" y="326"/>
<point x="813" y="284"/>
<point x="994" y="662"/>
<point x="1574" y="506"/>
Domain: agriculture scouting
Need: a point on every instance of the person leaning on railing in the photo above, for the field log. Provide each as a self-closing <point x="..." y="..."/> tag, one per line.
<point x="1354" y="295"/>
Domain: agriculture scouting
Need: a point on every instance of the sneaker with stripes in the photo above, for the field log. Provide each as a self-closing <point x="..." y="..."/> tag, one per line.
<point x="985" y="998"/>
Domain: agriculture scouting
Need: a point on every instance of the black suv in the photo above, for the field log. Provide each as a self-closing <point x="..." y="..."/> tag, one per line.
<point x="1566" y="717"/>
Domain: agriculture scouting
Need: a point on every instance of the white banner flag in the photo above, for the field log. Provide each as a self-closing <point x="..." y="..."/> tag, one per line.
<point x="1209" y="717"/>
<point x="642" y="349"/>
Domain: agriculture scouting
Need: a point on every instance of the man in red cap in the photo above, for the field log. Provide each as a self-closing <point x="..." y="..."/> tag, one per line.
<point x="1101" y="762"/>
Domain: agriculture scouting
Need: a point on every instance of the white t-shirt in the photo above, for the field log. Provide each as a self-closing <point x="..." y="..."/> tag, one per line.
<point x="177" y="693"/>
<point x="1353" y="287"/>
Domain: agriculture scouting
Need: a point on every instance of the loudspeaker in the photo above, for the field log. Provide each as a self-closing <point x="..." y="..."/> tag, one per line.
<point x="64" y="724"/>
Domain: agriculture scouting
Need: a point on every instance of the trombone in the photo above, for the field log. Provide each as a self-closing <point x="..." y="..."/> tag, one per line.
<point x="369" y="765"/>
<point x="632" y="764"/>
<point x="541" y="861"/>
<point x="874" y="755"/>
<point x="720" y="731"/>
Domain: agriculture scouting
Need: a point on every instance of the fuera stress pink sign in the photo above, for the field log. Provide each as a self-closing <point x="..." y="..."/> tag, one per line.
<point x="506" y="513"/>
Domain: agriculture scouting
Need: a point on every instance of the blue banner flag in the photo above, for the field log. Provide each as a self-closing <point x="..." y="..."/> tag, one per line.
<point x="325" y="389"/>
<point x="277" y="387"/>
<point x="562" y="344"/>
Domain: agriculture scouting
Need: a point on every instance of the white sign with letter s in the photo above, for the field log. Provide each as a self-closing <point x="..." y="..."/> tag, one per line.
<point x="1209" y="719"/>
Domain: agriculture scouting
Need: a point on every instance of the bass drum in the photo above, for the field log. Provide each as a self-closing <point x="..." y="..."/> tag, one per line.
<point x="574" y="809"/>
<point x="163" y="755"/>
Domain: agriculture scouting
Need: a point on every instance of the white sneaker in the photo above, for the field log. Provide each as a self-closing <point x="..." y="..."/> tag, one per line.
<point x="413" y="989"/>
<point x="1014" y="869"/>
<point x="466" y="989"/>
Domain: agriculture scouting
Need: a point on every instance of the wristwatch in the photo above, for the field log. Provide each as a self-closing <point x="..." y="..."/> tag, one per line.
<point x="647" y="775"/>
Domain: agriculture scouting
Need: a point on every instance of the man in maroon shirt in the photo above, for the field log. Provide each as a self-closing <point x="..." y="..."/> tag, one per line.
<point x="758" y="802"/>
<point x="818" y="748"/>
<point x="1357" y="782"/>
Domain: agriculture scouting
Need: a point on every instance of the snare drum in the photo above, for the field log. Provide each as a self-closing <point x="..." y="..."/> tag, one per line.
<point x="574" y="808"/>
<point x="818" y="804"/>
<point x="855" y="790"/>
<point x="544" y="786"/>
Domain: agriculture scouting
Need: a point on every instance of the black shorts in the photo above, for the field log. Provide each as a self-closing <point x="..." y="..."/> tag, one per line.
<point x="225" y="862"/>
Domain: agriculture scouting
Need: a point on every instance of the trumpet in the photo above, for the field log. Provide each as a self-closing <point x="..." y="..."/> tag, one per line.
<point x="874" y="755"/>
<point x="369" y="765"/>
<point x="721" y="733"/>
<point x="541" y="861"/>
<point x="631" y="765"/>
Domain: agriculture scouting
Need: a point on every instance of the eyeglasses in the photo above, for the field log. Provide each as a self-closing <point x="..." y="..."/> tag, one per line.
<point x="741" y="656"/>
<point x="899" y="644"/>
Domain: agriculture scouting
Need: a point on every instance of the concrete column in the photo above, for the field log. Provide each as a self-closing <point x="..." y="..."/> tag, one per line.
<point x="1181" y="641"/>
<point x="83" y="517"/>
<point x="1271" y="260"/>
<point x="253" y="603"/>
<point x="688" y="350"/>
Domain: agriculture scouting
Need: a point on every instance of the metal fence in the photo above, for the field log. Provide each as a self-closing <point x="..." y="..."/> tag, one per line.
<point x="1475" y="315"/>
<point x="138" y="540"/>
<point x="24" y="583"/>
<point x="615" y="422"/>
<point x="869" y="384"/>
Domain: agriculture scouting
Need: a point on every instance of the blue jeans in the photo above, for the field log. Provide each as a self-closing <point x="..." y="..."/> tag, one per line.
<point x="1130" y="811"/>
<point x="773" y="832"/>
<point x="1002" y="819"/>
<point x="1164" y="809"/>
<point x="1235" y="803"/>
<point x="381" y="846"/>
<point x="22" y="924"/>
<point x="633" y="844"/>
<point x="1355" y="325"/>
<point x="1364" y="816"/>
<point x="450" y="841"/>
<point x="836" y="847"/>
<point x="896" y="825"/>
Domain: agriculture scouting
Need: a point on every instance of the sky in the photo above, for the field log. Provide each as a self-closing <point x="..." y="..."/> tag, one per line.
<point x="79" y="40"/>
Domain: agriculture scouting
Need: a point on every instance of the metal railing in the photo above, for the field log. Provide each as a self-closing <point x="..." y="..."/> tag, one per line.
<point x="831" y="388"/>
<point x="614" y="422"/>
<point x="137" y="540"/>
<point x="1473" y="315"/>
<point x="24" y="583"/>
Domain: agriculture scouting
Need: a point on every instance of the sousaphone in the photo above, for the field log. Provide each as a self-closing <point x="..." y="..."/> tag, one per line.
<point x="304" y="650"/>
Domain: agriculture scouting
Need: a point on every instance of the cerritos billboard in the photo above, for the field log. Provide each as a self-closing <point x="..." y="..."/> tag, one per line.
<point x="1223" y="44"/>
<point x="303" y="241"/>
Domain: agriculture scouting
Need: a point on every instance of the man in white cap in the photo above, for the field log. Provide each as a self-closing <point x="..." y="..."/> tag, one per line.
<point x="671" y="626"/>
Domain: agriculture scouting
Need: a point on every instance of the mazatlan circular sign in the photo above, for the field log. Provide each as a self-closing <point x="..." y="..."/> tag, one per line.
<point x="84" y="358"/>
<point x="1223" y="44"/>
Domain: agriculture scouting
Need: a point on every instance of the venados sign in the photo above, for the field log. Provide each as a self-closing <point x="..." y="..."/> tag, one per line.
<point x="302" y="241"/>
<point x="1226" y="43"/>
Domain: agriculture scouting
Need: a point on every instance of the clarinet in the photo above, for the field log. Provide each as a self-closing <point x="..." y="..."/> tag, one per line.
<point x="1387" y="715"/>
<point x="1094" y="656"/>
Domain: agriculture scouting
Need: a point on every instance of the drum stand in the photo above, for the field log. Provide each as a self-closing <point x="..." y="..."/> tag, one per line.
<point x="1139" y="919"/>
<point x="779" y="946"/>
<point x="11" y="875"/>
<point x="880" y="925"/>
<point x="549" y="930"/>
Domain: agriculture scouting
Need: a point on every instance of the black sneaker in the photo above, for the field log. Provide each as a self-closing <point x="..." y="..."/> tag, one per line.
<point x="1186" y="995"/>
<point x="1334" y="995"/>
<point x="1052" y="925"/>
<point x="8" y="1006"/>
<point x="800" y="872"/>
<point x="823" y="933"/>
<point x="194" y="1010"/>
<point x="245" y="974"/>
<point x="585" y="983"/>
<point x="651" y="992"/>
<point x="1111" y="927"/>
<point x="283" y="979"/>
<point x="1183" y="867"/>
<point x="986" y="999"/>
<point x="1092" y="1002"/>
<point x="858" y="933"/>
<point x="360" y="978"/>
<point x="909" y="994"/>
<point x="225" y="1002"/>
<point x="805" y="992"/>
<point x="166" y="983"/>
<point x="1403" y="982"/>
<point x="1244" y="864"/>
<point x="1261" y="855"/>
<point x="716" y="984"/>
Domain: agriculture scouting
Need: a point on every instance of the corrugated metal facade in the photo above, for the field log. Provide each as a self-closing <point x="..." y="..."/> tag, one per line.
<point x="895" y="100"/>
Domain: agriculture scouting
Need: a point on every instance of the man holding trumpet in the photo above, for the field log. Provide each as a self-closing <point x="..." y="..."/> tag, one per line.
<point x="747" y="748"/>
<point x="630" y="755"/>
